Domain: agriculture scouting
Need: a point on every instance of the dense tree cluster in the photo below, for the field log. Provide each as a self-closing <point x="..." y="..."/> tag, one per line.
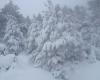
<point x="54" y="37"/>
<point x="65" y="35"/>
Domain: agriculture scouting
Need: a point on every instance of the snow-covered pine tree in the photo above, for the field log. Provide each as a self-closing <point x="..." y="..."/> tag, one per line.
<point x="13" y="36"/>
<point x="11" y="9"/>
<point x="94" y="9"/>
<point x="33" y="33"/>
<point x="3" y="21"/>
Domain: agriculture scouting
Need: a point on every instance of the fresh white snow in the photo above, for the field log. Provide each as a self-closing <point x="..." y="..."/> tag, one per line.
<point x="6" y="61"/>
<point x="87" y="72"/>
<point x="23" y="70"/>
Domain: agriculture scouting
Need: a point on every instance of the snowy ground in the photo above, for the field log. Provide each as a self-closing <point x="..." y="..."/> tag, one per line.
<point x="24" y="71"/>
<point x="87" y="72"/>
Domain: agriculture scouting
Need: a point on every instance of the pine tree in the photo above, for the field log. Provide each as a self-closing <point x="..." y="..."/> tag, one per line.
<point x="12" y="10"/>
<point x="3" y="22"/>
<point x="94" y="6"/>
<point x="34" y="32"/>
<point x="13" y="36"/>
<point x="95" y="18"/>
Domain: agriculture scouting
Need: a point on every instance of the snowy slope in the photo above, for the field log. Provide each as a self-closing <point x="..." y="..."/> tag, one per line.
<point x="87" y="72"/>
<point x="24" y="71"/>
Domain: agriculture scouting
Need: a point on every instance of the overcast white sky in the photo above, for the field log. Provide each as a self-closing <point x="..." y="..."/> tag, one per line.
<point x="28" y="7"/>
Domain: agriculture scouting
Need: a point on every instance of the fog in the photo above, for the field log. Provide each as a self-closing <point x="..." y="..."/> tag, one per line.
<point x="30" y="7"/>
